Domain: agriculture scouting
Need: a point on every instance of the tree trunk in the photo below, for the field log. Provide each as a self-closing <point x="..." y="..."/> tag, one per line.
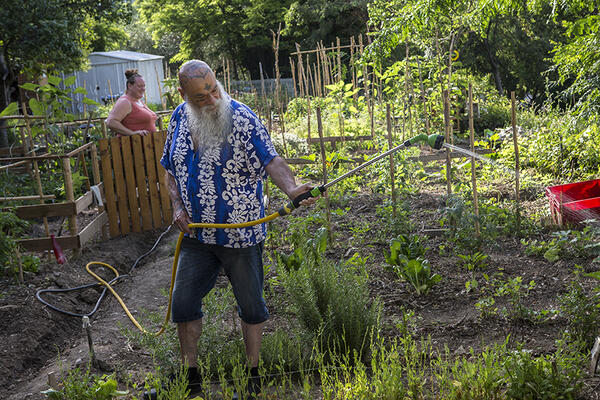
<point x="5" y="93"/>
<point x="491" y="56"/>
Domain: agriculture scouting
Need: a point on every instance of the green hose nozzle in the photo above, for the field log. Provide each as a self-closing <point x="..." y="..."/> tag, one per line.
<point x="433" y="140"/>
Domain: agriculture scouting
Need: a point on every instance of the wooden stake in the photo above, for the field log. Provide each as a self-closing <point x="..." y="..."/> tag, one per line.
<point x="300" y="67"/>
<point x="224" y="74"/>
<point x="162" y="100"/>
<point x="517" y="168"/>
<point x="473" y="169"/>
<point x="391" y="145"/>
<point x="408" y="86"/>
<point x="339" y="59"/>
<point x="36" y="169"/>
<point x="355" y="95"/>
<point x="308" y="111"/>
<point x="95" y="164"/>
<point x="84" y="88"/>
<point x="293" y="68"/>
<point x="112" y="100"/>
<point x="20" y="264"/>
<point x="424" y="97"/>
<point x="66" y="164"/>
<point x="448" y="133"/>
<point x="324" y="163"/>
<point x="228" y="78"/>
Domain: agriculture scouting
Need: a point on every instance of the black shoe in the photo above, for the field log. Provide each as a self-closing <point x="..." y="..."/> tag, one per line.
<point x="253" y="387"/>
<point x="194" y="384"/>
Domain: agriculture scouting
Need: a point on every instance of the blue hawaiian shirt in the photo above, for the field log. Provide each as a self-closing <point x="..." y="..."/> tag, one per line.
<point x="222" y="183"/>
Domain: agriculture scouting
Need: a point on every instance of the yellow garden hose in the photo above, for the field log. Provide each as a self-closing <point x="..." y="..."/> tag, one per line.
<point x="283" y="211"/>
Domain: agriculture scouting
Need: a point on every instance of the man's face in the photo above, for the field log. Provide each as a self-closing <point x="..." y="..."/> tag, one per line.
<point x="202" y="93"/>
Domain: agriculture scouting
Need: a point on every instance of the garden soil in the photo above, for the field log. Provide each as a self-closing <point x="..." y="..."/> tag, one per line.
<point x="38" y="344"/>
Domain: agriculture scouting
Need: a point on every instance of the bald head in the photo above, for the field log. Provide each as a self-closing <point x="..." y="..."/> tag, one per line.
<point x="194" y="69"/>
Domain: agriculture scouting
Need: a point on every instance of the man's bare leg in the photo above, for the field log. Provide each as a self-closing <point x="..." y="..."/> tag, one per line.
<point x="252" y="340"/>
<point x="189" y="334"/>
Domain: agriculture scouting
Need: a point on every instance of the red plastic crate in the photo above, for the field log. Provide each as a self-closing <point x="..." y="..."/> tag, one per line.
<point x="574" y="202"/>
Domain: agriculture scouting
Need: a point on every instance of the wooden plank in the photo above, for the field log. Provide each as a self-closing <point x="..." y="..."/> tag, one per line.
<point x="23" y="198"/>
<point x="9" y="151"/>
<point x="339" y="139"/>
<point x="45" y="243"/>
<point x="79" y="149"/>
<point x="86" y="200"/>
<point x="147" y="142"/>
<point x="165" y="200"/>
<point x="45" y="210"/>
<point x="132" y="197"/>
<point x="93" y="229"/>
<point x="117" y="163"/>
<point x="140" y="177"/>
<point x="109" y="188"/>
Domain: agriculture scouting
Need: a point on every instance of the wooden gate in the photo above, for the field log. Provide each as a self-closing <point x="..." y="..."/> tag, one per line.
<point x="134" y="183"/>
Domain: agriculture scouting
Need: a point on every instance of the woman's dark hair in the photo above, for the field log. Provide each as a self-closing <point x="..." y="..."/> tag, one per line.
<point x="130" y="76"/>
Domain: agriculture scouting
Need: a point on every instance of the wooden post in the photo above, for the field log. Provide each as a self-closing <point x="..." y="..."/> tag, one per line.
<point x="339" y="59"/>
<point x="324" y="163"/>
<point x="408" y="86"/>
<point x="318" y="71"/>
<point x="308" y="111"/>
<point x="516" y="146"/>
<point x="447" y="134"/>
<point x="228" y="78"/>
<point x="162" y="100"/>
<point x="81" y="156"/>
<point x="262" y="83"/>
<point x="293" y="68"/>
<point x="473" y="169"/>
<point x="355" y="95"/>
<point x="66" y="164"/>
<point x="104" y="130"/>
<point x="110" y="92"/>
<point x="36" y="169"/>
<point x="424" y="97"/>
<point x="95" y="164"/>
<point x="391" y="145"/>
<point x="300" y="67"/>
<point x="224" y="74"/>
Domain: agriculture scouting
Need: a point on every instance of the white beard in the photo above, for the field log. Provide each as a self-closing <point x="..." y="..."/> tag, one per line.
<point x="210" y="128"/>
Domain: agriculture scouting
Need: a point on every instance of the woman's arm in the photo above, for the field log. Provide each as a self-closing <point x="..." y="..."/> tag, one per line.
<point x="120" y="110"/>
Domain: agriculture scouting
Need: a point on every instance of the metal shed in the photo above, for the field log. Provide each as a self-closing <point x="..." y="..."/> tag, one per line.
<point x="106" y="76"/>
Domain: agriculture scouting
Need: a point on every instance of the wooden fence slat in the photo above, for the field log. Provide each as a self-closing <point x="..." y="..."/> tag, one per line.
<point x="159" y="140"/>
<point x="128" y="168"/>
<point x="142" y="188"/>
<point x="115" y="146"/>
<point x="109" y="190"/>
<point x="152" y="181"/>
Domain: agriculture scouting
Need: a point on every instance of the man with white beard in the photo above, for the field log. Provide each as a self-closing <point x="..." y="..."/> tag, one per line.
<point x="217" y="155"/>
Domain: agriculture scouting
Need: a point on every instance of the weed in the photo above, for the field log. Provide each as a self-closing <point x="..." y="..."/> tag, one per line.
<point x="581" y="308"/>
<point x="566" y="244"/>
<point x="82" y="385"/>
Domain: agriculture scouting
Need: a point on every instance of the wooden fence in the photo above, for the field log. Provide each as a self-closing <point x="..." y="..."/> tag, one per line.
<point x="134" y="183"/>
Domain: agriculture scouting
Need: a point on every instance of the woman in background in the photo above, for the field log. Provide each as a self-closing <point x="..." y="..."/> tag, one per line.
<point x="130" y="116"/>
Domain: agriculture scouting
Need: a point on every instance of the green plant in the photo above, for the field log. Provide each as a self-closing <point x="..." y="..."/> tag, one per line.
<point x="566" y="244"/>
<point x="581" y="308"/>
<point x="544" y="377"/>
<point x="418" y="274"/>
<point x="405" y="247"/>
<point x="80" y="385"/>
<point x="11" y="227"/>
<point x="472" y="262"/>
<point x="416" y="271"/>
<point x="331" y="301"/>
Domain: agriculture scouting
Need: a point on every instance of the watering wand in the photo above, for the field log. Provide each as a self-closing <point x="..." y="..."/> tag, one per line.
<point x="435" y="141"/>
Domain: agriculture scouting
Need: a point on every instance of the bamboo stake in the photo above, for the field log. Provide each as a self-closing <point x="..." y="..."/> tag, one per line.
<point x="408" y="85"/>
<point x="224" y="73"/>
<point x="307" y="100"/>
<point x="339" y="59"/>
<point x="228" y="78"/>
<point x="447" y="132"/>
<point x="353" y="69"/>
<point x="316" y="50"/>
<point x="162" y="100"/>
<point x="318" y="77"/>
<point x="84" y="88"/>
<point x="20" y="264"/>
<point x="300" y="67"/>
<point x="36" y="169"/>
<point x="66" y="164"/>
<point x="392" y="169"/>
<point x="95" y="164"/>
<point x="366" y="87"/>
<point x="112" y="101"/>
<point x="517" y="168"/>
<point x="473" y="169"/>
<point x="324" y="162"/>
<point x="424" y="97"/>
<point x="293" y="68"/>
<point x="262" y="82"/>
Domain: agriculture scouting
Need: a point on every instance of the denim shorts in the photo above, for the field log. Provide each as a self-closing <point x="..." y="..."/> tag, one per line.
<point x="197" y="270"/>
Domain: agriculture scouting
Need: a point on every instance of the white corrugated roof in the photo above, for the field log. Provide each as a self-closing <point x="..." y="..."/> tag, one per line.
<point x="126" y="55"/>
